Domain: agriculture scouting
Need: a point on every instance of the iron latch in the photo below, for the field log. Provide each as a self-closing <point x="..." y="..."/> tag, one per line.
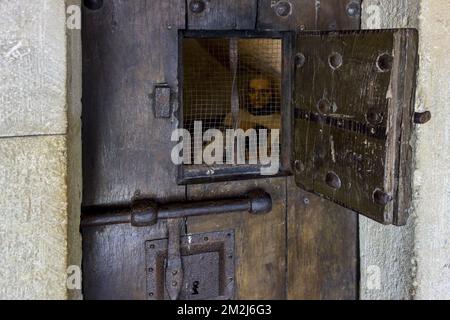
<point x="145" y="213"/>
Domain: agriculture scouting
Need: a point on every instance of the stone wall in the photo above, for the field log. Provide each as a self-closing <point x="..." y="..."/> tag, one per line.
<point x="40" y="177"/>
<point x="413" y="262"/>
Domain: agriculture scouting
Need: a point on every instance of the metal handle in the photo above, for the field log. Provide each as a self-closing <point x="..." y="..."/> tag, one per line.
<point x="144" y="213"/>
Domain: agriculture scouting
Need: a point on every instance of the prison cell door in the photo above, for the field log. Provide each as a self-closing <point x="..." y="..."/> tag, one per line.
<point x="306" y="247"/>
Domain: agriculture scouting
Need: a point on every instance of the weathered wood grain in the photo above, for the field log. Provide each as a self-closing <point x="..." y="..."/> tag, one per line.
<point x="260" y="241"/>
<point x="322" y="256"/>
<point x="128" y="48"/>
<point x="114" y="261"/>
<point x="354" y="119"/>
<point x="307" y="15"/>
<point x="224" y="15"/>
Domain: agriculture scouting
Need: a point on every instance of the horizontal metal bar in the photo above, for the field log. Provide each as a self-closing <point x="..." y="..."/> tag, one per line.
<point x="145" y="213"/>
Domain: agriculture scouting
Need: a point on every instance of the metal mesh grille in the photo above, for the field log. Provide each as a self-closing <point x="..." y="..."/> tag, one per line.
<point x="232" y="83"/>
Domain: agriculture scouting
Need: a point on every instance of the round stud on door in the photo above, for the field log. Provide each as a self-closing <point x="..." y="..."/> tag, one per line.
<point x="353" y="9"/>
<point x="333" y="180"/>
<point x="325" y="106"/>
<point x="381" y="198"/>
<point x="335" y="60"/>
<point x="300" y="60"/>
<point x="93" y="4"/>
<point x="384" y="62"/>
<point x="197" y="6"/>
<point x="283" y="9"/>
<point x="374" y="117"/>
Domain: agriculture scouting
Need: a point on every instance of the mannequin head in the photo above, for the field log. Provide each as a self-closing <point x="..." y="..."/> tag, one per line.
<point x="260" y="92"/>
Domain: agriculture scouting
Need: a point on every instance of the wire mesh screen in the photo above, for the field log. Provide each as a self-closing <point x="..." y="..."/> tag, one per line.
<point x="232" y="84"/>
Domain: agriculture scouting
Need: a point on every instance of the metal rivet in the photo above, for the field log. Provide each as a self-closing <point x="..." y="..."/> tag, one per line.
<point x="374" y="117"/>
<point x="384" y="62"/>
<point x="422" y="117"/>
<point x="325" y="106"/>
<point x="299" y="167"/>
<point x="333" y="180"/>
<point x="300" y="60"/>
<point x="150" y="270"/>
<point x="197" y="6"/>
<point x="174" y="284"/>
<point x="283" y="9"/>
<point x="93" y="4"/>
<point x="354" y="9"/>
<point x="335" y="60"/>
<point x="174" y="272"/>
<point x="381" y="197"/>
<point x="206" y="238"/>
<point x="306" y="201"/>
<point x="151" y="294"/>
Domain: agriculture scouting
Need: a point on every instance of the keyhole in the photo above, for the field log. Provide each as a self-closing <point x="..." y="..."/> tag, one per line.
<point x="195" y="286"/>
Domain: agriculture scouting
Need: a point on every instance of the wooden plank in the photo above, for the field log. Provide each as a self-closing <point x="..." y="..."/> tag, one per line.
<point x="322" y="248"/>
<point x="260" y="241"/>
<point x="127" y="50"/>
<point x="223" y="15"/>
<point x="406" y="88"/>
<point x="126" y="150"/>
<point x="308" y="15"/>
<point x="114" y="261"/>
<point x="322" y="241"/>
<point x="349" y="120"/>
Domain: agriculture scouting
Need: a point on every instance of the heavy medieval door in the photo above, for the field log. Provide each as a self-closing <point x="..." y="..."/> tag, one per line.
<point x="153" y="229"/>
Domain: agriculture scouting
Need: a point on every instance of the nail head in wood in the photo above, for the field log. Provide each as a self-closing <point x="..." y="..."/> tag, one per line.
<point x="381" y="197"/>
<point x="197" y="6"/>
<point x="333" y="180"/>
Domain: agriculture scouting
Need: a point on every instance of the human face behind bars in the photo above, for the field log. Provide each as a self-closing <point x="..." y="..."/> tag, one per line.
<point x="260" y="93"/>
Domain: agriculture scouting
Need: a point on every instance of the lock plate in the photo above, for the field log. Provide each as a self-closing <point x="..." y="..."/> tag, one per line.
<point x="208" y="267"/>
<point x="354" y="104"/>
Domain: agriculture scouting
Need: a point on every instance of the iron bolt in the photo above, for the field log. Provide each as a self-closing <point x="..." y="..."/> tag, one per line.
<point x="333" y="180"/>
<point x="197" y="6"/>
<point x="381" y="198"/>
<point x="300" y="60"/>
<point x="174" y="272"/>
<point x="353" y="9"/>
<point x="325" y="106"/>
<point x="283" y="9"/>
<point x="422" y="117"/>
<point x="93" y="4"/>
<point x="174" y="284"/>
<point x="374" y="117"/>
<point x="384" y="62"/>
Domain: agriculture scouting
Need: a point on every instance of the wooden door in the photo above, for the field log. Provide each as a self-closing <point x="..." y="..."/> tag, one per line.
<point x="306" y="248"/>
